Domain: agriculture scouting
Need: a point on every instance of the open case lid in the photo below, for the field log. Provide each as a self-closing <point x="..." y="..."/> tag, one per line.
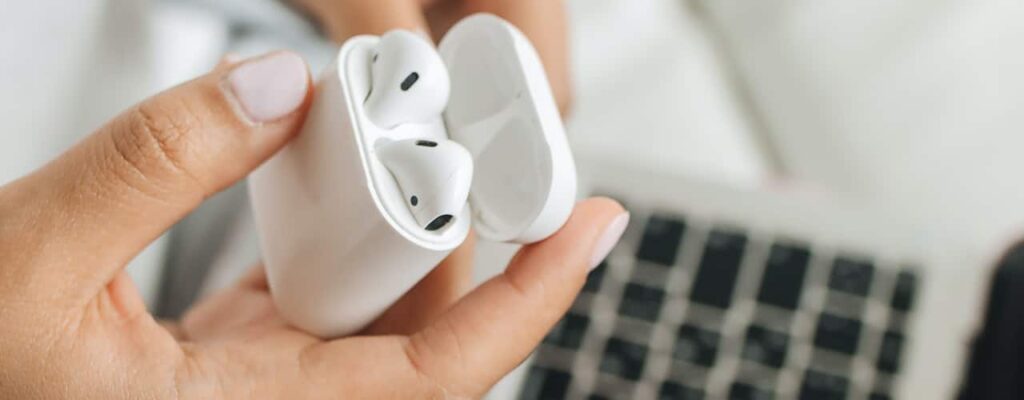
<point x="502" y="110"/>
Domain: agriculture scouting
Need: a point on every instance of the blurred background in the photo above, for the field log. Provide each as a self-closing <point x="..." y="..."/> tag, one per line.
<point x="915" y="107"/>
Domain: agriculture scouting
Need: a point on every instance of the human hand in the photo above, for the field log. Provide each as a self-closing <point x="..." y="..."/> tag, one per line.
<point x="543" y="22"/>
<point x="74" y="325"/>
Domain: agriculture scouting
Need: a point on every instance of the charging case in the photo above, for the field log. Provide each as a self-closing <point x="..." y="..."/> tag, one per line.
<point x="339" y="243"/>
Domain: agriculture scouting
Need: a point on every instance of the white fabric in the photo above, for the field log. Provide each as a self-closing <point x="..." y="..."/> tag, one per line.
<point x="651" y="92"/>
<point x="915" y="104"/>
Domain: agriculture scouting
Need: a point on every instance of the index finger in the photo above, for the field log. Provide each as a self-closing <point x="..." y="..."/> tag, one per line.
<point x="495" y="327"/>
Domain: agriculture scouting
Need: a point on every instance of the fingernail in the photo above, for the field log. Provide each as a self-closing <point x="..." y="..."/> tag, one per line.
<point x="609" y="239"/>
<point x="271" y="87"/>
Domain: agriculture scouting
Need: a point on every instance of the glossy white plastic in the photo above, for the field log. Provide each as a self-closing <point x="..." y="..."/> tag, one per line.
<point x="340" y="243"/>
<point x="410" y="81"/>
<point x="434" y="176"/>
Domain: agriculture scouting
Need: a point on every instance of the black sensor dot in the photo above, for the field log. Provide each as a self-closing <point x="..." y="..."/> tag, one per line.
<point x="439" y="222"/>
<point x="415" y="201"/>
<point x="426" y="143"/>
<point x="409" y="81"/>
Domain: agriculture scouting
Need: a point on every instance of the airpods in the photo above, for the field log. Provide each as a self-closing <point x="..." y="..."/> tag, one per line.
<point x="406" y="149"/>
<point x="434" y="176"/>
<point x="410" y="82"/>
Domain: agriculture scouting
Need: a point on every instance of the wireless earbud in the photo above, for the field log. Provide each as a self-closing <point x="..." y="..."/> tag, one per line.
<point x="434" y="177"/>
<point x="410" y="82"/>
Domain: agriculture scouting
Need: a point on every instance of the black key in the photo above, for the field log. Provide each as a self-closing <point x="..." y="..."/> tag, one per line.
<point x="662" y="239"/>
<point x="675" y="391"/>
<point x="639" y="301"/>
<point x="743" y="391"/>
<point x="696" y="345"/>
<point x="879" y="396"/>
<point x="568" y="333"/>
<point x="851" y="276"/>
<point x="597" y="397"/>
<point x="822" y="386"/>
<point x="784" y="274"/>
<point x="904" y="291"/>
<point x="837" y="334"/>
<point x="889" y="353"/>
<point x="544" y="384"/>
<point x="765" y="346"/>
<point x="624" y="359"/>
<point x="595" y="278"/>
<point x="719" y="266"/>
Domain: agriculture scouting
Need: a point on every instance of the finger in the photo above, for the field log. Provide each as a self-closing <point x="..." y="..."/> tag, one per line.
<point x="173" y="328"/>
<point x="344" y="19"/>
<point x="495" y="327"/>
<point x="544" y="22"/>
<point x="244" y="306"/>
<point x="228" y="60"/>
<point x="431" y="297"/>
<point x="255" y="279"/>
<point x="82" y="217"/>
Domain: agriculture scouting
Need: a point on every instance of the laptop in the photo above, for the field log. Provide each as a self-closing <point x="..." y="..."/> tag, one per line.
<point x="721" y="293"/>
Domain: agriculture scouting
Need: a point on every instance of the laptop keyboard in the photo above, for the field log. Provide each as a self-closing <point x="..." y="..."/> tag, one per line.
<point x="684" y="309"/>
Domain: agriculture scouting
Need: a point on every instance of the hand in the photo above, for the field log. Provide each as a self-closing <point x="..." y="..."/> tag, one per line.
<point x="74" y="325"/>
<point x="543" y="22"/>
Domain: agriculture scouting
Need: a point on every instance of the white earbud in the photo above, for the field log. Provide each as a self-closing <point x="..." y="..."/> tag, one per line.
<point x="410" y="84"/>
<point x="410" y="81"/>
<point x="434" y="176"/>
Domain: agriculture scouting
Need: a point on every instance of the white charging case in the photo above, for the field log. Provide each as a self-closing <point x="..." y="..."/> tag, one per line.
<point x="339" y="243"/>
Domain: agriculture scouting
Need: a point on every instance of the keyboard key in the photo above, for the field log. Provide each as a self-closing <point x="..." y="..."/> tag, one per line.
<point x="851" y="276"/>
<point x="837" y="334"/>
<point x="696" y="345"/>
<point x="675" y="391"/>
<point x="743" y="391"/>
<point x="639" y="301"/>
<point x="595" y="278"/>
<point x="623" y="359"/>
<point x="889" y="353"/>
<point x="568" y="333"/>
<point x="822" y="386"/>
<point x="784" y="274"/>
<point x="879" y="396"/>
<point x="661" y="241"/>
<point x="719" y="266"/>
<point x="904" y="291"/>
<point x="765" y="346"/>
<point x="545" y="384"/>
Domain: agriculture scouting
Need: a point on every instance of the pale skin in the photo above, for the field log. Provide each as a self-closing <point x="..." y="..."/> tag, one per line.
<point x="75" y="326"/>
